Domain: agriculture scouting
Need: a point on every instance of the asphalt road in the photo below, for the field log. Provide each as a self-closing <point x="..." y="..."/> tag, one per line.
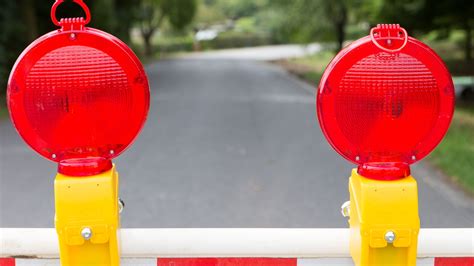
<point x="228" y="143"/>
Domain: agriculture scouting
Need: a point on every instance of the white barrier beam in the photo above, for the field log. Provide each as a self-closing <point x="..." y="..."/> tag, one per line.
<point x="294" y="243"/>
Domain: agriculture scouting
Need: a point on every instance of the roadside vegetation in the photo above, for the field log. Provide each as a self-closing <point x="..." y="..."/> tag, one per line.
<point x="455" y="154"/>
<point x="155" y="28"/>
<point x="309" y="68"/>
<point x="3" y="107"/>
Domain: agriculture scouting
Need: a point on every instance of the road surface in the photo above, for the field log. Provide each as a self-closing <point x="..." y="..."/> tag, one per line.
<point x="228" y="143"/>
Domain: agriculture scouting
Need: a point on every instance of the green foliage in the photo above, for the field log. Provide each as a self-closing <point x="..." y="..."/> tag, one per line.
<point x="411" y="14"/>
<point x="231" y="39"/>
<point x="23" y="21"/>
<point x="11" y="39"/>
<point x="104" y="15"/>
<point x="234" y="39"/>
<point x="311" y="20"/>
<point x="172" y="44"/>
<point x="422" y="16"/>
<point x="180" y="12"/>
<point x="152" y="14"/>
<point x="208" y="13"/>
<point x="311" y="68"/>
<point x="246" y="24"/>
<point x="274" y="22"/>
<point x="125" y="15"/>
<point x="455" y="154"/>
<point x="241" y="8"/>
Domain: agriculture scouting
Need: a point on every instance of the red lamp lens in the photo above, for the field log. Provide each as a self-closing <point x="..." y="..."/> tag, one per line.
<point x="385" y="109"/>
<point x="78" y="96"/>
<point x="84" y="166"/>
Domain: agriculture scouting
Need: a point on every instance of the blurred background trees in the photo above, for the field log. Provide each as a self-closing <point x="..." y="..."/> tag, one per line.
<point x="152" y="14"/>
<point x="154" y="27"/>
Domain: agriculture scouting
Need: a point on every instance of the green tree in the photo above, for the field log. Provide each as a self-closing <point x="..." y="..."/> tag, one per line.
<point x="425" y="15"/>
<point x="125" y="12"/>
<point x="208" y="13"/>
<point x="413" y="15"/>
<point x="235" y="9"/>
<point x="152" y="14"/>
<point x="103" y="15"/>
<point x="29" y="17"/>
<point x="456" y="14"/>
<point x="23" y="21"/>
<point x="309" y="20"/>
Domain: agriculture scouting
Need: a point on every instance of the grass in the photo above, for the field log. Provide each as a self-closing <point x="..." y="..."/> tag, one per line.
<point x="3" y="112"/>
<point x="3" y="107"/>
<point x="455" y="155"/>
<point x="309" y="68"/>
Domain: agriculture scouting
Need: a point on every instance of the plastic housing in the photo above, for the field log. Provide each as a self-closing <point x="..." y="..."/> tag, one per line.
<point x="78" y="96"/>
<point x="385" y="102"/>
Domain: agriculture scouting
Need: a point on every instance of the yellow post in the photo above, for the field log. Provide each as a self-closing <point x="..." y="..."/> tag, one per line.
<point x="87" y="219"/>
<point x="384" y="221"/>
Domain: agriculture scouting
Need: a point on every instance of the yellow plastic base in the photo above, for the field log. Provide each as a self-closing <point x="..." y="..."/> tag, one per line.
<point x="87" y="202"/>
<point x="376" y="208"/>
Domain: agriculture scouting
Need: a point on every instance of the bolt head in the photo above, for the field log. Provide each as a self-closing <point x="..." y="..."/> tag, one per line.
<point x="121" y="205"/>
<point x="390" y="237"/>
<point x="346" y="209"/>
<point x="86" y="233"/>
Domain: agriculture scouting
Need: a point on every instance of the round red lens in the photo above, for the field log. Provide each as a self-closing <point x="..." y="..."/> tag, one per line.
<point x="383" y="109"/>
<point x="78" y="96"/>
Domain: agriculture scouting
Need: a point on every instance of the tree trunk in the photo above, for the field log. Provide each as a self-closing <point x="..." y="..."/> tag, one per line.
<point x="29" y="18"/>
<point x="340" y="35"/>
<point x="468" y="43"/>
<point x="148" y="29"/>
<point x="147" y="41"/>
<point x="340" y="27"/>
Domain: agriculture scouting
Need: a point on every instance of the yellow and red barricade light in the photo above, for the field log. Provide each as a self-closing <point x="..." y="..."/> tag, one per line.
<point x="384" y="103"/>
<point x="79" y="97"/>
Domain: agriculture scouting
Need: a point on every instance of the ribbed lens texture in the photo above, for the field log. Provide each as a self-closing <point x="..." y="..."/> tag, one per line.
<point x="385" y="110"/>
<point x="79" y="103"/>
<point x="385" y="105"/>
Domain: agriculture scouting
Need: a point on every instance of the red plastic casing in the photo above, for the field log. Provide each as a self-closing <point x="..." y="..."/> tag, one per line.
<point x="78" y="96"/>
<point x="385" y="102"/>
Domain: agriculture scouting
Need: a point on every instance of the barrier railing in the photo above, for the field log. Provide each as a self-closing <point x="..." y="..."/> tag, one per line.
<point x="277" y="247"/>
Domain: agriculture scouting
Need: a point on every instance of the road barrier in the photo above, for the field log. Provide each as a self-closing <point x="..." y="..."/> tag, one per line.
<point x="383" y="103"/>
<point x="242" y="247"/>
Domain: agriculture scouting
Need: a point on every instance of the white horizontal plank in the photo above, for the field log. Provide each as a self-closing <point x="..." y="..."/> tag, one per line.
<point x="291" y="243"/>
<point x="153" y="262"/>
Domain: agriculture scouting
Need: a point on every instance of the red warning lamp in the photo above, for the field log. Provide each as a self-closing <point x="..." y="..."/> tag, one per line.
<point x="385" y="102"/>
<point x="78" y="96"/>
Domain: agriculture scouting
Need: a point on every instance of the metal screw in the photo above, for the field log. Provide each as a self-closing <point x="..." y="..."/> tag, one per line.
<point x="72" y="36"/>
<point x="111" y="152"/>
<point x="53" y="156"/>
<point x="357" y="158"/>
<point x="346" y="209"/>
<point x="413" y="157"/>
<point x="121" y="205"/>
<point x="390" y="237"/>
<point x="86" y="233"/>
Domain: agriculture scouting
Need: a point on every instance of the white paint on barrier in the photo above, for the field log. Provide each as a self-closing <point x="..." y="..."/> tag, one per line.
<point x="37" y="262"/>
<point x="276" y="243"/>
<point x="55" y="262"/>
<point x="153" y="262"/>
